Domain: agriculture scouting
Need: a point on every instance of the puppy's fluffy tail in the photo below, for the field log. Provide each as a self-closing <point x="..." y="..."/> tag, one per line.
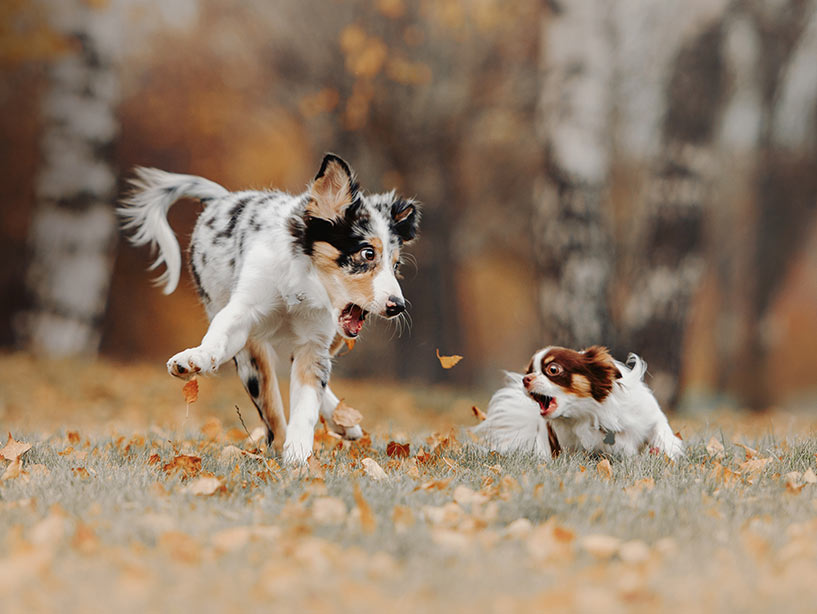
<point x="144" y="212"/>
<point x="513" y="421"/>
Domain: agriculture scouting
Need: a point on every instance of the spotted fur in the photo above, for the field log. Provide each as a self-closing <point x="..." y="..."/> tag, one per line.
<point x="279" y="274"/>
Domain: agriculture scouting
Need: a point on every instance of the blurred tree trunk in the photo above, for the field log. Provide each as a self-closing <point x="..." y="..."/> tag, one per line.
<point x="571" y="236"/>
<point x="73" y="230"/>
<point x="671" y="246"/>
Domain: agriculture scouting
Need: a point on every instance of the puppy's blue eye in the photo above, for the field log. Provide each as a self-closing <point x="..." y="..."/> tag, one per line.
<point x="367" y="253"/>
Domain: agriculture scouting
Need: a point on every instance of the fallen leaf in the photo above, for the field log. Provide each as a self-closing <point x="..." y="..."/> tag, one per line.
<point x="346" y="416"/>
<point x="212" y="429"/>
<point x="350" y="344"/>
<point x="153" y="459"/>
<point x="85" y="540"/>
<point x="634" y="552"/>
<point x="181" y="546"/>
<point x="14" y="470"/>
<point x="402" y="517"/>
<point x="191" y="391"/>
<point x="205" y="486"/>
<point x="600" y="546"/>
<point x="464" y="495"/>
<point x="448" y="361"/>
<point x="604" y="469"/>
<point x="329" y="511"/>
<point x="809" y="477"/>
<point x="794" y="483"/>
<point x="373" y="469"/>
<point x="519" y="528"/>
<point x="398" y="450"/>
<point x="368" y="522"/>
<point x="436" y="484"/>
<point x="750" y="452"/>
<point x="14" y="449"/>
<point x="714" y="448"/>
<point x="81" y="473"/>
<point x="189" y="466"/>
<point x="73" y="437"/>
<point x="478" y="413"/>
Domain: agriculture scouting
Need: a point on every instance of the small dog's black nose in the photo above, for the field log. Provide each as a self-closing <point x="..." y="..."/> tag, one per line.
<point x="395" y="306"/>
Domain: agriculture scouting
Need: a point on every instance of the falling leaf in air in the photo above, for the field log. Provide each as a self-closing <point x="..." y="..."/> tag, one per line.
<point x="604" y="469"/>
<point x="373" y="469"/>
<point x="191" y="391"/>
<point x="346" y="416"/>
<point x="398" y="450"/>
<point x="478" y="413"/>
<point x="14" y="449"/>
<point x="448" y="361"/>
<point x="350" y="343"/>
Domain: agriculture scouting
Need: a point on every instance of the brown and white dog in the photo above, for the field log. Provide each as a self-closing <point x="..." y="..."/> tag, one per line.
<point x="572" y="401"/>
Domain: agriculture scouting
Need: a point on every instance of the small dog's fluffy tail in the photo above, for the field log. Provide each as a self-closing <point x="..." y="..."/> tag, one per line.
<point x="144" y="212"/>
<point x="513" y="421"/>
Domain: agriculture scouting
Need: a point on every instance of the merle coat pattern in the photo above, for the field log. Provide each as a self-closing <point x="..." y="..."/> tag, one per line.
<point x="280" y="276"/>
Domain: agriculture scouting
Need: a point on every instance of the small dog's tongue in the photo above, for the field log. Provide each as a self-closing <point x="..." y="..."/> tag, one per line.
<point x="547" y="407"/>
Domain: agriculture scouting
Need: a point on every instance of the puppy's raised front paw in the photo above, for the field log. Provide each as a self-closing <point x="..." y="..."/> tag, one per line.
<point x="191" y="361"/>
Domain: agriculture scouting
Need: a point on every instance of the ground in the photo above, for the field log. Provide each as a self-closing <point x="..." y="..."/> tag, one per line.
<point x="130" y="500"/>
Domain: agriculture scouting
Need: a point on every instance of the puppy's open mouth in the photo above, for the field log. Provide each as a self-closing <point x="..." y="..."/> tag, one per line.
<point x="547" y="405"/>
<point x="351" y="319"/>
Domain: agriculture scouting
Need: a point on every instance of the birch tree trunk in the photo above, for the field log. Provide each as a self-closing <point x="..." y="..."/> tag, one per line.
<point x="570" y="231"/>
<point x="73" y="230"/>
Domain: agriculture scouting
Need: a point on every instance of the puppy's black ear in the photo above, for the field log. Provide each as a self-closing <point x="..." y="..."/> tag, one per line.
<point x="405" y="218"/>
<point x="601" y="371"/>
<point x="333" y="189"/>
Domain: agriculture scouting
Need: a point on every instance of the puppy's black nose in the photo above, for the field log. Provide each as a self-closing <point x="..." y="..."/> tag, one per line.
<point x="395" y="306"/>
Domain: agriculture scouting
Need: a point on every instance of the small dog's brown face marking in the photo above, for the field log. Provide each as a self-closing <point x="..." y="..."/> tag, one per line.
<point x="590" y="373"/>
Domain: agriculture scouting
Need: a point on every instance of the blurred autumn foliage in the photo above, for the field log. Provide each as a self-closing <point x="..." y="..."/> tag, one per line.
<point x="436" y="98"/>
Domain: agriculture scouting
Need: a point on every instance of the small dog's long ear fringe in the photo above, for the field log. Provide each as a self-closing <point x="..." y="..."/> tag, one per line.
<point x="333" y="189"/>
<point x="601" y="371"/>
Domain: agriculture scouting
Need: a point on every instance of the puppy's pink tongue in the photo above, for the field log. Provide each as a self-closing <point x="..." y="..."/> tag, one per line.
<point x="548" y="409"/>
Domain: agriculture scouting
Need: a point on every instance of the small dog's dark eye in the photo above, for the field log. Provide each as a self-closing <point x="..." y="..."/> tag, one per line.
<point x="367" y="253"/>
<point x="554" y="369"/>
<point x="396" y="266"/>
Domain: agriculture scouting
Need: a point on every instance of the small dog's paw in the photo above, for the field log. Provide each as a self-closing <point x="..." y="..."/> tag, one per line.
<point x="189" y="362"/>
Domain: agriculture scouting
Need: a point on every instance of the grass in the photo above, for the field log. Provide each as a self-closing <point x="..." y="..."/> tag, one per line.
<point x="102" y="520"/>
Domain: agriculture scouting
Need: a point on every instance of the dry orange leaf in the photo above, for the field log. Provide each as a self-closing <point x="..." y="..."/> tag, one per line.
<point x="73" y="437"/>
<point x="604" y="469"/>
<point x="187" y="465"/>
<point x="350" y="343"/>
<point x="12" y="471"/>
<point x="398" y="450"/>
<point x="448" y="361"/>
<point x="191" y="391"/>
<point x="346" y="416"/>
<point x="714" y="448"/>
<point x="14" y="449"/>
<point x="478" y="413"/>
<point x="81" y="472"/>
<point x="368" y="522"/>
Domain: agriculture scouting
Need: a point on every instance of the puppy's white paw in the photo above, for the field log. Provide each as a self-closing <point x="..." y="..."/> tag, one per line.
<point x="191" y="361"/>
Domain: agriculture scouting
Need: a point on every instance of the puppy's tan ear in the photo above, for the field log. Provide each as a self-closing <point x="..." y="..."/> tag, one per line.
<point x="601" y="371"/>
<point x="333" y="189"/>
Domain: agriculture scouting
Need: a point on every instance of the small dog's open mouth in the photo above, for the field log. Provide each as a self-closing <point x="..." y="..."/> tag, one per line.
<point x="547" y="405"/>
<point x="351" y="319"/>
